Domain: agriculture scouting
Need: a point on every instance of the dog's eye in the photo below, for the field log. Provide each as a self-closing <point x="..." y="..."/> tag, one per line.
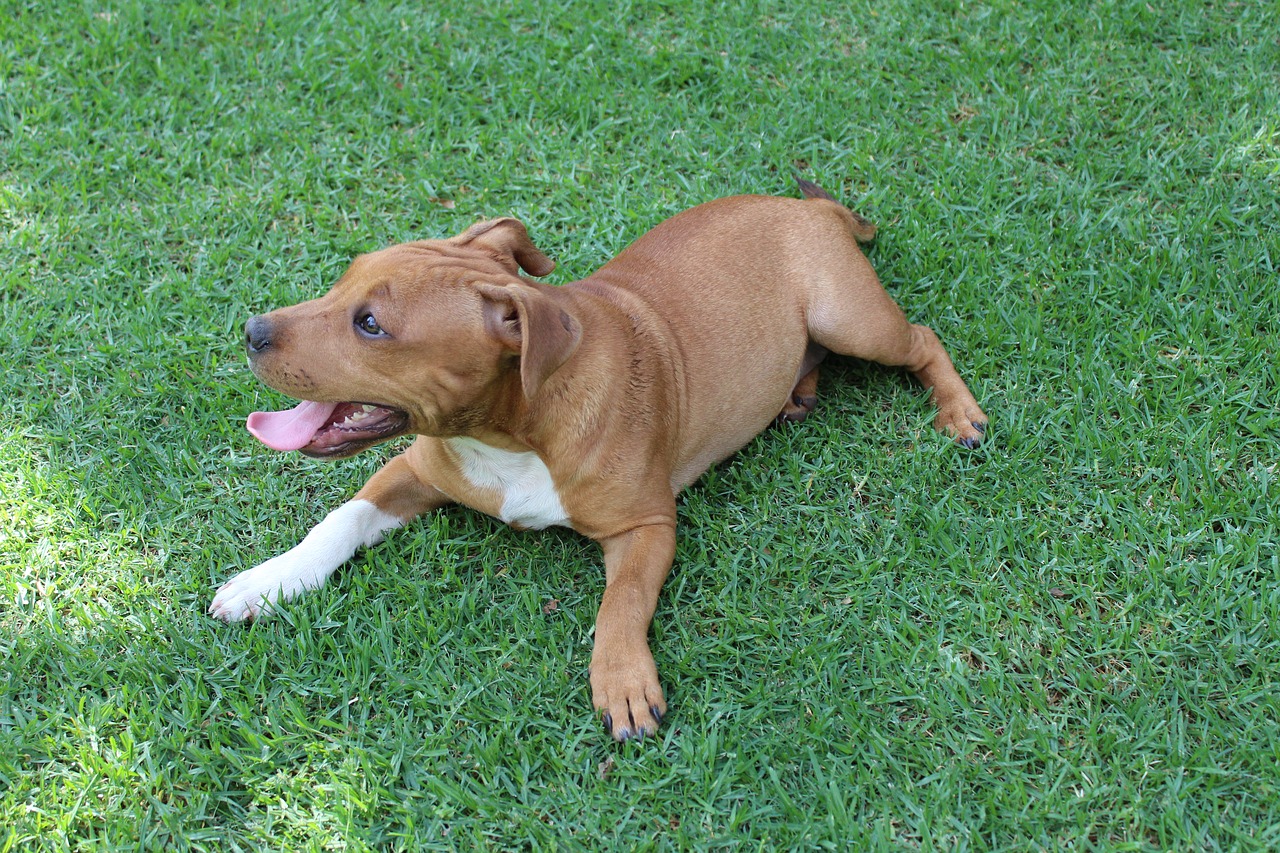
<point x="367" y="324"/>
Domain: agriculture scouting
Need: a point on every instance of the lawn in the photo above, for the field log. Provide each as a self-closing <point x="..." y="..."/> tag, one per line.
<point x="1068" y="638"/>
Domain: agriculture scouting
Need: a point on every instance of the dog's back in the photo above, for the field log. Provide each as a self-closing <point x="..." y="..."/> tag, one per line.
<point x="756" y="267"/>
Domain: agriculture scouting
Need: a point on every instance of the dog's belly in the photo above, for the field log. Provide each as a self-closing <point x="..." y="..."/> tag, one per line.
<point x="528" y="495"/>
<point x="734" y="392"/>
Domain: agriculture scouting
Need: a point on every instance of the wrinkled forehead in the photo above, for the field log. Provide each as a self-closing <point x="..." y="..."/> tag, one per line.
<point x="420" y="263"/>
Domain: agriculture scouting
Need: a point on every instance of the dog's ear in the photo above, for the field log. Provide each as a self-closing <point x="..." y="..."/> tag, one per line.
<point x="508" y="242"/>
<point x="526" y="320"/>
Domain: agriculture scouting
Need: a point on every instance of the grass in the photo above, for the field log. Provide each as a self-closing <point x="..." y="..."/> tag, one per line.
<point x="1067" y="639"/>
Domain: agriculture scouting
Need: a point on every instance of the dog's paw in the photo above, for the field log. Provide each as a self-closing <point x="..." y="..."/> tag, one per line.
<point x="798" y="408"/>
<point x="965" y="423"/>
<point x="626" y="693"/>
<point x="244" y="598"/>
<point x="253" y="593"/>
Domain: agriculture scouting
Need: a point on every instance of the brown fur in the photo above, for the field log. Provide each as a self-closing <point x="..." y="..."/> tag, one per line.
<point x="628" y="384"/>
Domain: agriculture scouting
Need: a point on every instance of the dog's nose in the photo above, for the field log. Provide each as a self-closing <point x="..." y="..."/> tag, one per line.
<point x="257" y="334"/>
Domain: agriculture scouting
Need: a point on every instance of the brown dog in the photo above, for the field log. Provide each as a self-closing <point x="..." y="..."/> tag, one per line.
<point x="590" y="405"/>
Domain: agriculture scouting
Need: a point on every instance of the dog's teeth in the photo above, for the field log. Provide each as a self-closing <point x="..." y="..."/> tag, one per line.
<point x="367" y="408"/>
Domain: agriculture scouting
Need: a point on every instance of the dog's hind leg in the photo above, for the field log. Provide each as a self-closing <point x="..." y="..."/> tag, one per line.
<point x="804" y="396"/>
<point x="803" y="400"/>
<point x="857" y="317"/>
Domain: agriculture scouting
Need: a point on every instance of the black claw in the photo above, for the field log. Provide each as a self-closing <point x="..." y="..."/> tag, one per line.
<point x="608" y="722"/>
<point x="980" y="427"/>
<point x="969" y="443"/>
<point x="656" y="712"/>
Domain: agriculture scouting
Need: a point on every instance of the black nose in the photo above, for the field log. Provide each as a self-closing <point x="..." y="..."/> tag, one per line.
<point x="257" y="334"/>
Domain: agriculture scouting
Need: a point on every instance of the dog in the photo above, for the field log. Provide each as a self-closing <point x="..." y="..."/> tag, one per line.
<point x="589" y="405"/>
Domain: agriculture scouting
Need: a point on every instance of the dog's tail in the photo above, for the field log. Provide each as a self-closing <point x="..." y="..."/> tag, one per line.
<point x="809" y="189"/>
<point x="864" y="230"/>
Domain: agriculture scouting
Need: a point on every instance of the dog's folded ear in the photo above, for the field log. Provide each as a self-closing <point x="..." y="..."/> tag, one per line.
<point x="526" y="319"/>
<point x="508" y="242"/>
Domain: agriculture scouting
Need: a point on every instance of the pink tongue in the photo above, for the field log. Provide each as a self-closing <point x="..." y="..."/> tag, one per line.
<point x="291" y="430"/>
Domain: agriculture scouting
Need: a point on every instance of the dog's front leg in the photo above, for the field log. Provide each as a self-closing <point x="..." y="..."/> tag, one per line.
<point x="624" y="678"/>
<point x="392" y="497"/>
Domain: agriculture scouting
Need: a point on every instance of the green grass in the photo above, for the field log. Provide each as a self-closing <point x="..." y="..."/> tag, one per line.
<point x="1067" y="639"/>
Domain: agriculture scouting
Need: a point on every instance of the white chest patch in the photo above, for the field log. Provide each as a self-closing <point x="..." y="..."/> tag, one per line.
<point x="529" y="497"/>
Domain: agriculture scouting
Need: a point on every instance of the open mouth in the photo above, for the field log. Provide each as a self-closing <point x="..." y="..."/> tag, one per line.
<point x="327" y="429"/>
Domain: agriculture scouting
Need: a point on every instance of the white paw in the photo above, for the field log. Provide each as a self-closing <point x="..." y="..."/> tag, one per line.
<point x="307" y="565"/>
<point x="254" y="592"/>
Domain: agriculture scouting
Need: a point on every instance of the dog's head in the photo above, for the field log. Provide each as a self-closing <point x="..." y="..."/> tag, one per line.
<point x="423" y="337"/>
